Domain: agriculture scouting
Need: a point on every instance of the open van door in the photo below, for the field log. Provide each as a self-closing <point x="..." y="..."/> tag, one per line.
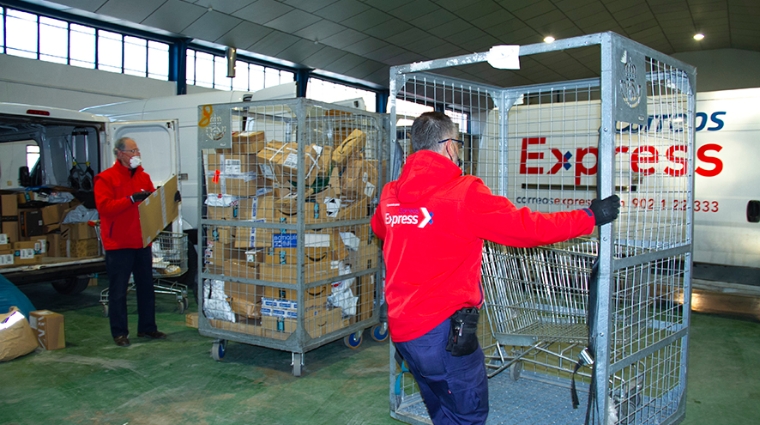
<point x="157" y="141"/>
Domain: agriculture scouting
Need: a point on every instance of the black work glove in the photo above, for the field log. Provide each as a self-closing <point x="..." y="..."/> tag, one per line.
<point x="606" y="210"/>
<point x="177" y="197"/>
<point x="139" y="196"/>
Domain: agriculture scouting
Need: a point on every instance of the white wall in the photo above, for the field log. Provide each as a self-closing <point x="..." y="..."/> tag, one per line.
<point x="50" y="84"/>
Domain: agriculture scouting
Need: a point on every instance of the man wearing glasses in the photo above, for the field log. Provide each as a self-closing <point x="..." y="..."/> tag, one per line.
<point x="118" y="191"/>
<point x="433" y="221"/>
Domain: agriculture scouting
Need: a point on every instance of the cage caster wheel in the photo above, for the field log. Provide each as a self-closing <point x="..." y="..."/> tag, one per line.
<point x="182" y="305"/>
<point x="353" y="341"/>
<point x="515" y="370"/>
<point x="379" y="332"/>
<point x="218" y="349"/>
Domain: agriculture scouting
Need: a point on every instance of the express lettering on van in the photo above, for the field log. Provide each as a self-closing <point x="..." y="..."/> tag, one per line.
<point x="642" y="159"/>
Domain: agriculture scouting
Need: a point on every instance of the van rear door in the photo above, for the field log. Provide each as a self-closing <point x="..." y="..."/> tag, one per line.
<point x="157" y="141"/>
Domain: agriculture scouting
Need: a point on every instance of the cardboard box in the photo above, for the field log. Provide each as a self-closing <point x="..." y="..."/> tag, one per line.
<point x="350" y="146"/>
<point x="234" y="164"/>
<point x="219" y="234"/>
<point x="54" y="245"/>
<point x="48" y="328"/>
<point x="77" y="231"/>
<point x="251" y="237"/>
<point x="26" y="252"/>
<point x="30" y="223"/>
<point x="248" y="291"/>
<point x="27" y="197"/>
<point x="10" y="228"/>
<point x="6" y="258"/>
<point x="318" y="246"/>
<point x="9" y="205"/>
<point x="243" y="328"/>
<point x="285" y="273"/>
<point x="81" y="248"/>
<point x="221" y="252"/>
<point x="245" y="308"/>
<point x="279" y="162"/>
<point x="365" y="258"/>
<point x="242" y="185"/>
<point x="16" y="337"/>
<point x="285" y="210"/>
<point x="43" y="244"/>
<point x="191" y="320"/>
<point x="53" y="214"/>
<point x="158" y="211"/>
<point x="324" y="166"/>
<point x="244" y="299"/>
<point x="321" y="322"/>
<point x="241" y="268"/>
<point x="359" y="179"/>
<point x="248" y="142"/>
<point x="319" y="292"/>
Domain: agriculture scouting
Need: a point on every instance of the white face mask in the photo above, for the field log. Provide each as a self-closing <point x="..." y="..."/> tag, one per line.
<point x="135" y="162"/>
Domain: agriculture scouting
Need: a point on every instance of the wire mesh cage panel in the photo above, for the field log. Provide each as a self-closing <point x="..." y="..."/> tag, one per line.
<point x="552" y="146"/>
<point x="169" y="254"/>
<point x="290" y="262"/>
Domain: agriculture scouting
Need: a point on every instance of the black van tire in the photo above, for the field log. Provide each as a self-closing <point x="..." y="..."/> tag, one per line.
<point x="71" y="285"/>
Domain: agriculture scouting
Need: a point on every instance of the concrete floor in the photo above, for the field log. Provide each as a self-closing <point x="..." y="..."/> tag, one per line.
<point x="93" y="381"/>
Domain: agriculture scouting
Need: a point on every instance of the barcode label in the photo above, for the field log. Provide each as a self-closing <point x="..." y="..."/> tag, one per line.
<point x="291" y="161"/>
<point x="232" y="166"/>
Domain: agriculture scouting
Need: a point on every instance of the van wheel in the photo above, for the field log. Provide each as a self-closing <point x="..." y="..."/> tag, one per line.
<point x="71" y="285"/>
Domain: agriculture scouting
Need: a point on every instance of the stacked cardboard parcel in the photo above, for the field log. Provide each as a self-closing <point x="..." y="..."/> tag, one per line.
<point x="32" y="231"/>
<point x="255" y="182"/>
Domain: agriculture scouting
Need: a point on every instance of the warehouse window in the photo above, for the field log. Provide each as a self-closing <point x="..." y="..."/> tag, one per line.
<point x="407" y="111"/>
<point x="53" y="40"/>
<point x="209" y="70"/>
<point x="326" y="91"/>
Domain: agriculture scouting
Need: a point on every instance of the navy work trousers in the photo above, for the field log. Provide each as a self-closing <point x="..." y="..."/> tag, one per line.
<point x="120" y="263"/>
<point x="454" y="389"/>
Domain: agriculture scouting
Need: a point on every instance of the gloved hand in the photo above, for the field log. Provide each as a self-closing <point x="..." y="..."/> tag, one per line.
<point x="139" y="196"/>
<point x="177" y="197"/>
<point x="605" y="210"/>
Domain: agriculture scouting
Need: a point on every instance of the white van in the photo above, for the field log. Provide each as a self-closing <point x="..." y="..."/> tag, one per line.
<point x="45" y="147"/>
<point x="726" y="184"/>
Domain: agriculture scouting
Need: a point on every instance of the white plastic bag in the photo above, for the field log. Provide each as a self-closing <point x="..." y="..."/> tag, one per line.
<point x="342" y="296"/>
<point x="80" y="214"/>
<point x="215" y="305"/>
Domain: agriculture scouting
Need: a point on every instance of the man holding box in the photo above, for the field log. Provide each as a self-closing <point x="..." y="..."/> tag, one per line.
<point x="433" y="221"/>
<point x="118" y="191"/>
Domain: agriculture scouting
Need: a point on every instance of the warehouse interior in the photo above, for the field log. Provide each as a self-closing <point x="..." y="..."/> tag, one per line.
<point x="351" y="42"/>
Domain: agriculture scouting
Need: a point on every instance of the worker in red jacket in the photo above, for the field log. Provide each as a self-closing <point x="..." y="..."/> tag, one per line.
<point x="118" y="191"/>
<point x="433" y="221"/>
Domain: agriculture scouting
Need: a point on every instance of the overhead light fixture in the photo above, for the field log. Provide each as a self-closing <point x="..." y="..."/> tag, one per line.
<point x="548" y="39"/>
<point x="699" y="36"/>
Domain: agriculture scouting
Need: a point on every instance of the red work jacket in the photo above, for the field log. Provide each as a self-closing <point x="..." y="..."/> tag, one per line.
<point x="119" y="217"/>
<point x="433" y="222"/>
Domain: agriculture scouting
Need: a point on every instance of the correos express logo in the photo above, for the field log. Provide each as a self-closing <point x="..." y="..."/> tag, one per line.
<point x="419" y="217"/>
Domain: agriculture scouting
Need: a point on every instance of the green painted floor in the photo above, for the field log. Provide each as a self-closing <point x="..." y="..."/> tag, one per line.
<point x="92" y="381"/>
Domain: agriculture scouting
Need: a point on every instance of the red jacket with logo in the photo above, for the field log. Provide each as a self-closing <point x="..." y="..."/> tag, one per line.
<point x="119" y="217"/>
<point x="433" y="222"/>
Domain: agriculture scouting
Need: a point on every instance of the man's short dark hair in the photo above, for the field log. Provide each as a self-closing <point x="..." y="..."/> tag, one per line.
<point x="429" y="129"/>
